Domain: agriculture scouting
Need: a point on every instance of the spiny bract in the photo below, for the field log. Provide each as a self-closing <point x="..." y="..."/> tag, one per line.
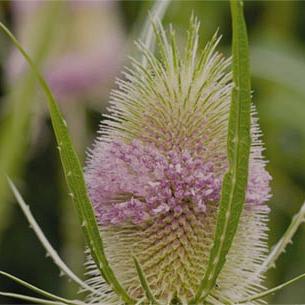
<point x="155" y="174"/>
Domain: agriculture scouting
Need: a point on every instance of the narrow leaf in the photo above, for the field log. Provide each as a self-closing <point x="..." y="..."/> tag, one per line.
<point x="39" y="291"/>
<point x="272" y="290"/>
<point x="75" y="179"/>
<point x="281" y="245"/>
<point x="239" y="141"/>
<point x="29" y="298"/>
<point x="44" y="241"/>
<point x="145" y="286"/>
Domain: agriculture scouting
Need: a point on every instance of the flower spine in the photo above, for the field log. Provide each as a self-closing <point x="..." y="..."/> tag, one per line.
<point x="155" y="173"/>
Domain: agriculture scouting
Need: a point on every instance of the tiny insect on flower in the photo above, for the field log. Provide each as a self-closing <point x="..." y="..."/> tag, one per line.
<point x="155" y="174"/>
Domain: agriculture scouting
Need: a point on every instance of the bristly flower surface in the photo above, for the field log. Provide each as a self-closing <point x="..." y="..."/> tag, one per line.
<point x="155" y="173"/>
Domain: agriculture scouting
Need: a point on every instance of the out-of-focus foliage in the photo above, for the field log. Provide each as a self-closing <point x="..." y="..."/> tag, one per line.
<point x="277" y="40"/>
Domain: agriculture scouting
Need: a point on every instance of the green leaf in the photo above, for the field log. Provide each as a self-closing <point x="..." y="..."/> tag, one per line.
<point x="239" y="141"/>
<point x="40" y="291"/>
<point x="75" y="180"/>
<point x="272" y="290"/>
<point x="150" y="297"/>
<point x="45" y="243"/>
<point x="281" y="245"/>
<point x="33" y="300"/>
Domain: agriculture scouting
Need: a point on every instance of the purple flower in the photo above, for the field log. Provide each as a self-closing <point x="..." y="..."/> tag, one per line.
<point x="141" y="182"/>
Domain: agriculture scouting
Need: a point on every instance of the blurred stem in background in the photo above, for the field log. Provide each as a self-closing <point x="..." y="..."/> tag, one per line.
<point x="274" y="65"/>
<point x="18" y="106"/>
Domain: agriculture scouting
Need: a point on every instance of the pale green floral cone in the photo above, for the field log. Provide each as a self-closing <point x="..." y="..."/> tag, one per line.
<point x="155" y="172"/>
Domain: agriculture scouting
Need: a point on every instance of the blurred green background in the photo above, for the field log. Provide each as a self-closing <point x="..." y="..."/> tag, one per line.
<point x="81" y="46"/>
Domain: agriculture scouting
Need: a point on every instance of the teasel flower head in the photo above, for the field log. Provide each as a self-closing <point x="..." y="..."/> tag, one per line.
<point x="155" y="175"/>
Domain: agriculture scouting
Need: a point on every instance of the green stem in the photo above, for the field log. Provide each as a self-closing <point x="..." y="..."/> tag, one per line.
<point x="238" y="146"/>
<point x="272" y="290"/>
<point x="75" y="179"/>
